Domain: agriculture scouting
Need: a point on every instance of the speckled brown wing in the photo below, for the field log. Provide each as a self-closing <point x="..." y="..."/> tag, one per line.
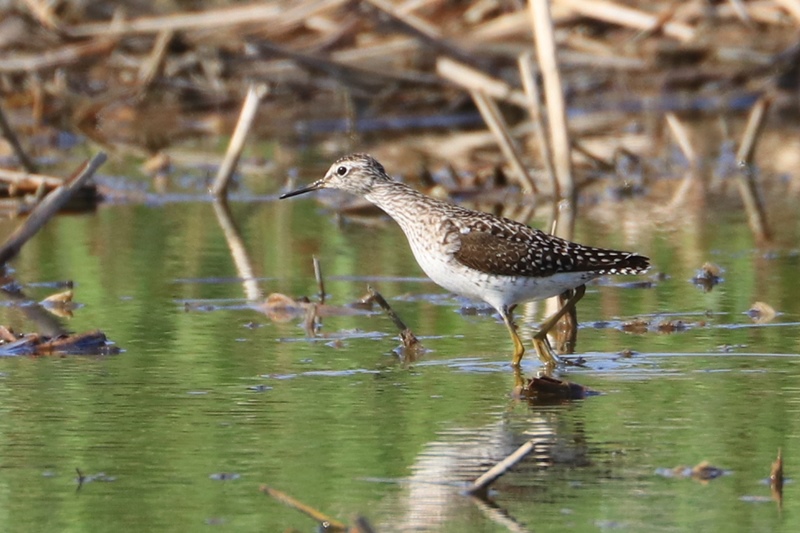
<point x="507" y="248"/>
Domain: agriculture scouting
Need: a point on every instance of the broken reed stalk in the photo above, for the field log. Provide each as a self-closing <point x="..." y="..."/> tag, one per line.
<point x="746" y="179"/>
<point x="476" y="80"/>
<point x="327" y="522"/>
<point x="48" y="207"/>
<point x="481" y="485"/>
<point x="320" y="280"/>
<point x="681" y="135"/>
<point x="155" y="61"/>
<point x="248" y="114"/>
<point x="544" y="37"/>
<point x="791" y="6"/>
<point x="497" y="125"/>
<point x="239" y="253"/>
<point x="65" y="55"/>
<point x="628" y="17"/>
<point x="536" y="111"/>
<point x="410" y="340"/>
<point x="421" y="30"/>
<point x="11" y="137"/>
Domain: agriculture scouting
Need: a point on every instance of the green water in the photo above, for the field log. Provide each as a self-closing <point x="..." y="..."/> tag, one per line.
<point x="208" y="388"/>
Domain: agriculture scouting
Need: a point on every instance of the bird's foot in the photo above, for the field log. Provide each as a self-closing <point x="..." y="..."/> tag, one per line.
<point x="545" y="352"/>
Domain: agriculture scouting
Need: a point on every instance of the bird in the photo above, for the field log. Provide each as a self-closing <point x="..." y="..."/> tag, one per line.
<point x="480" y="255"/>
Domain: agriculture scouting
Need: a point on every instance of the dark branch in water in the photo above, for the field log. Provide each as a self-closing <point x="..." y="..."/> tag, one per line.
<point x="48" y="207"/>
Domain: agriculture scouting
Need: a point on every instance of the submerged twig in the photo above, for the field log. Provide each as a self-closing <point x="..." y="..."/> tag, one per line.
<point x="481" y="485"/>
<point x="410" y="340"/>
<point x="254" y="95"/>
<point x="327" y="522"/>
<point x="48" y="207"/>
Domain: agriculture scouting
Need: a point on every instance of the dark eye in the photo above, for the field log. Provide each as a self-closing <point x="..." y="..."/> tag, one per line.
<point x="341" y="170"/>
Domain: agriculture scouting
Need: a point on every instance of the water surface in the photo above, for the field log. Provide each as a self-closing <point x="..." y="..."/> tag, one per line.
<point x="210" y="398"/>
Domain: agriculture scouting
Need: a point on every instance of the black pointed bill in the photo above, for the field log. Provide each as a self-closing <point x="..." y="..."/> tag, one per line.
<point x="302" y="190"/>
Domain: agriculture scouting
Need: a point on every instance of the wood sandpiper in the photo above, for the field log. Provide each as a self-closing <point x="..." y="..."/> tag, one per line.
<point x="479" y="255"/>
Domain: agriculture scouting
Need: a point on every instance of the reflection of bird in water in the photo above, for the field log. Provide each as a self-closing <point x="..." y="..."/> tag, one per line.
<point x="432" y="495"/>
<point x="479" y="255"/>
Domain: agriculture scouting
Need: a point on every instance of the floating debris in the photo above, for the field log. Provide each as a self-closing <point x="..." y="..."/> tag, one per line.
<point x="546" y="388"/>
<point x="761" y="312"/>
<point x="89" y="343"/>
<point x="282" y="308"/>
<point x="703" y="471"/>
<point x="641" y="326"/>
<point x="671" y="326"/>
<point x="708" y="276"/>
<point x="60" y="304"/>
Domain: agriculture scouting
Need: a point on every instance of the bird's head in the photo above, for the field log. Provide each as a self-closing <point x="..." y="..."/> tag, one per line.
<point x="355" y="173"/>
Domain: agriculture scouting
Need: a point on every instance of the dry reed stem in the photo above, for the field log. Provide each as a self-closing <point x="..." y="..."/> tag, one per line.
<point x="764" y="11"/>
<point x="48" y="207"/>
<point x="537" y="114"/>
<point x="422" y="31"/>
<point x="475" y="80"/>
<point x="8" y="132"/>
<point x="544" y="36"/>
<point x="44" y="12"/>
<point x="259" y="13"/>
<point x="628" y="17"/>
<point x="497" y="125"/>
<point x="66" y="55"/>
<point x="681" y="135"/>
<point x="19" y="178"/>
<point x="420" y="25"/>
<point x="741" y="11"/>
<point x="150" y="67"/>
<point x="239" y="253"/>
<point x="752" y="131"/>
<point x="481" y="485"/>
<point x="248" y="114"/>
<point x="791" y="6"/>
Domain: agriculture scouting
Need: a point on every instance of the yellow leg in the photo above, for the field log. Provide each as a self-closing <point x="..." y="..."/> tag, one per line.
<point x="519" y="348"/>
<point x="540" y="342"/>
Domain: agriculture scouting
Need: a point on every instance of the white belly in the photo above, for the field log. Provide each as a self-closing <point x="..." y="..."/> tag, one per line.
<point x="497" y="291"/>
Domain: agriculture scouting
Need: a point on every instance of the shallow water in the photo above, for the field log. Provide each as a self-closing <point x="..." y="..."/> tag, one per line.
<point x="210" y="398"/>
